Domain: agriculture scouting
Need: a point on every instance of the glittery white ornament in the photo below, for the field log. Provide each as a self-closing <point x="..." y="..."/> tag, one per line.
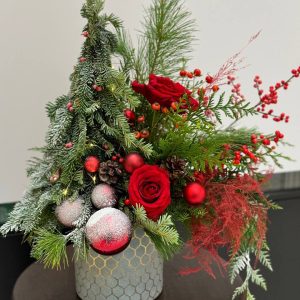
<point x="103" y="195"/>
<point x="109" y="231"/>
<point x="69" y="211"/>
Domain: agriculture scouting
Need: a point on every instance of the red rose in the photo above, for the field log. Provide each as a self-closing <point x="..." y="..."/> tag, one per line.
<point x="149" y="186"/>
<point x="164" y="91"/>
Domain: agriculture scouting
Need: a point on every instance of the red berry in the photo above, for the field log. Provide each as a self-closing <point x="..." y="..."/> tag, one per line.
<point x="174" y="105"/>
<point x="215" y="88"/>
<point x="145" y="133"/>
<point x="127" y="202"/>
<point x="121" y="160"/>
<point x="155" y="106"/>
<point x="266" y="142"/>
<point x="189" y="75"/>
<point x="197" y="72"/>
<point x="141" y="119"/>
<point x="71" y="108"/>
<point x="129" y="114"/>
<point x="209" y="79"/>
<point x="85" y="34"/>
<point x="70" y="104"/>
<point x="182" y="73"/>
<point x="82" y="59"/>
<point x="137" y="135"/>
<point x="69" y="145"/>
<point x="114" y="158"/>
<point x="201" y="91"/>
<point x="165" y="110"/>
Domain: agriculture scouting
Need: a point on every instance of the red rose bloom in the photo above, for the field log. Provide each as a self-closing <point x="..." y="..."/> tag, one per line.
<point x="164" y="91"/>
<point x="149" y="186"/>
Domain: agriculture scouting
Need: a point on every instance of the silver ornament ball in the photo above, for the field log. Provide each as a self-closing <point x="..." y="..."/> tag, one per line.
<point x="109" y="231"/>
<point x="103" y="195"/>
<point x="69" y="211"/>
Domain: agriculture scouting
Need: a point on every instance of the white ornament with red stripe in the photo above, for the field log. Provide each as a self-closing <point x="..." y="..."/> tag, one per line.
<point x="109" y="231"/>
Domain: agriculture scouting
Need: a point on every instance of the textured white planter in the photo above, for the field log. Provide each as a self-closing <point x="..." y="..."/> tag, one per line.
<point x="134" y="274"/>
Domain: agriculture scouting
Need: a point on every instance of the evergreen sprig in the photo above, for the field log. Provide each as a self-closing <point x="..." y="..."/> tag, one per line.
<point x="50" y="248"/>
<point x="163" y="233"/>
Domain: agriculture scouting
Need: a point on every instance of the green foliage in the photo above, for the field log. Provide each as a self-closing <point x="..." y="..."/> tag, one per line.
<point x="164" y="44"/>
<point x="241" y="264"/>
<point x="231" y="109"/>
<point x="163" y="233"/>
<point x="49" y="248"/>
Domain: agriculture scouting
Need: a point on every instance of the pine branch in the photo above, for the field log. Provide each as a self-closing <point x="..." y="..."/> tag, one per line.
<point x="166" y="39"/>
<point x="162" y="232"/>
<point x="50" y="248"/>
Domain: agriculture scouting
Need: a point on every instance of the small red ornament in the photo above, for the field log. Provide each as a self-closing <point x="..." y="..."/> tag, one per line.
<point x="141" y="119"/>
<point x="133" y="161"/>
<point x="92" y="164"/>
<point x="194" y="193"/>
<point x="82" y="59"/>
<point x="145" y="134"/>
<point x="129" y="114"/>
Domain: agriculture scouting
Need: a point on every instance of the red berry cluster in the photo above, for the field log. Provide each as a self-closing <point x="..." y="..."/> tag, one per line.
<point x="245" y="150"/>
<point x="118" y="158"/>
<point x="86" y="34"/>
<point x="70" y="107"/>
<point x="82" y="59"/>
<point x="236" y="89"/>
<point x="196" y="73"/>
<point x="97" y="88"/>
<point x="131" y="117"/>
<point x="271" y="97"/>
<point x="255" y="139"/>
<point x="278" y="136"/>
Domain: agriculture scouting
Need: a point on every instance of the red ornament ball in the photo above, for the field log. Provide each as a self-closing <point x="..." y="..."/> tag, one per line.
<point x="194" y="193"/>
<point x="109" y="231"/>
<point x="129" y="114"/>
<point x="133" y="161"/>
<point x="92" y="164"/>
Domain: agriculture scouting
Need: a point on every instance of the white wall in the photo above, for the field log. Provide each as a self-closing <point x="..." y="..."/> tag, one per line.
<point x="40" y="41"/>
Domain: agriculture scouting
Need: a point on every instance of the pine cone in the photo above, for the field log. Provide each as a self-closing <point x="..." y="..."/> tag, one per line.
<point x="110" y="172"/>
<point x="176" y="167"/>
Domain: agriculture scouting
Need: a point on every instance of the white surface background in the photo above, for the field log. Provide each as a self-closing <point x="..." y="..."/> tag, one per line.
<point x="40" y="42"/>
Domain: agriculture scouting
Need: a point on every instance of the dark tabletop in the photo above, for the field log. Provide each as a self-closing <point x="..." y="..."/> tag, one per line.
<point x="37" y="283"/>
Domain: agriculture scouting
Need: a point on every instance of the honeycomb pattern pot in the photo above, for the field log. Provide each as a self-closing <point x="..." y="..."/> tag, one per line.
<point x="134" y="274"/>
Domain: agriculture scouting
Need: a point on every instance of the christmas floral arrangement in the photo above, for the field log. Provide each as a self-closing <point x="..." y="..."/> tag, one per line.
<point x="138" y="142"/>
